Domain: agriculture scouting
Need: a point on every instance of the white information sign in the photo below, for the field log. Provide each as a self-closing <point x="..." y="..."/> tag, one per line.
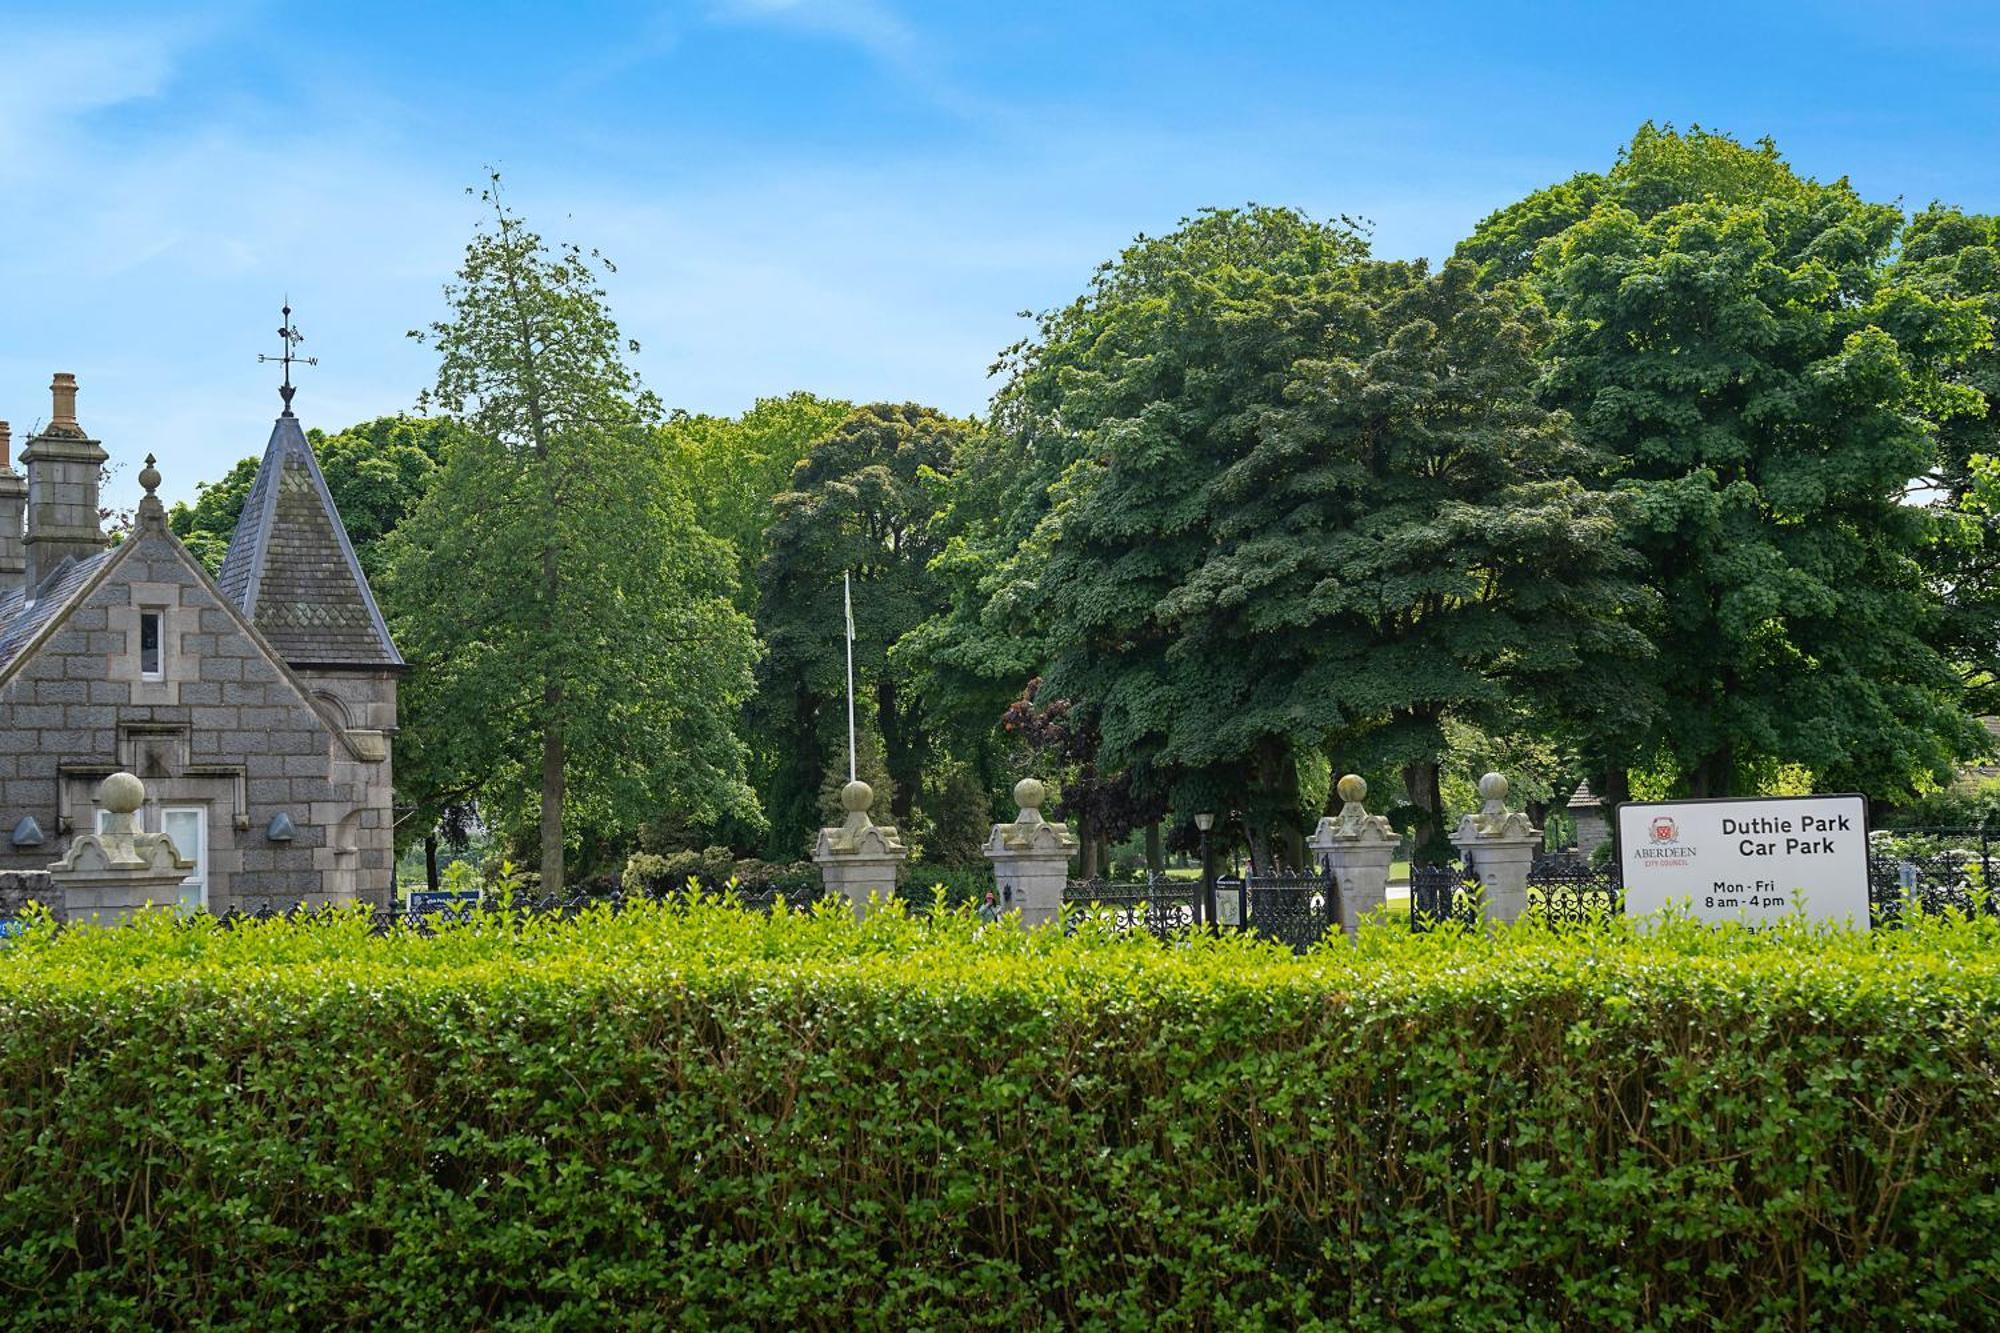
<point x="1229" y="906"/>
<point x="1748" y="860"/>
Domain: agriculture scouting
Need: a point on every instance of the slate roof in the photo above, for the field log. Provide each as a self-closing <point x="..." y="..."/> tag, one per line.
<point x="21" y="620"/>
<point x="291" y="569"/>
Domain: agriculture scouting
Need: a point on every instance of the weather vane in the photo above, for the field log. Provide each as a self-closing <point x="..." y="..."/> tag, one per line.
<point x="292" y="338"/>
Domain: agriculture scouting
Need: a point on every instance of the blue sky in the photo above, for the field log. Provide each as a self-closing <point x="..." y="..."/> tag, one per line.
<point x="856" y="197"/>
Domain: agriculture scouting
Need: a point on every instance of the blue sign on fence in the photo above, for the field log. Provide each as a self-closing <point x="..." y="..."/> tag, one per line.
<point x="422" y="902"/>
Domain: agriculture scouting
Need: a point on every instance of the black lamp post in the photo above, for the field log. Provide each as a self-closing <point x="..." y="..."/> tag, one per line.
<point x="1204" y="822"/>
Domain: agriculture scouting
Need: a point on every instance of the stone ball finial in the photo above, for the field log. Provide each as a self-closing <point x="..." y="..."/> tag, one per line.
<point x="1029" y="793"/>
<point x="121" y="793"/>
<point x="1353" y="789"/>
<point x="149" y="476"/>
<point x="1493" y="787"/>
<point x="856" y="797"/>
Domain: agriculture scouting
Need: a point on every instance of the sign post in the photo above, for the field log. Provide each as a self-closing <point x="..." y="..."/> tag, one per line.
<point x="1753" y="859"/>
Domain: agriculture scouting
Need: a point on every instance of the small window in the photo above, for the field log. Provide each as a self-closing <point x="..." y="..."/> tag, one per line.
<point x="188" y="827"/>
<point x="149" y="645"/>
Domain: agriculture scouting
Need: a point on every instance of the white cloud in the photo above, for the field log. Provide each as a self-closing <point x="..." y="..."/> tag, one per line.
<point x="871" y="26"/>
<point x="60" y="74"/>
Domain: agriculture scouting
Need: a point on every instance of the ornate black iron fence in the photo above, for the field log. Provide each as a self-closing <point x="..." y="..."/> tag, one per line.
<point x="1571" y="894"/>
<point x="798" y="896"/>
<point x="1293" y="910"/>
<point x="1157" y="905"/>
<point x="1926" y="870"/>
<point x="1442" y="893"/>
<point x="1930" y="870"/>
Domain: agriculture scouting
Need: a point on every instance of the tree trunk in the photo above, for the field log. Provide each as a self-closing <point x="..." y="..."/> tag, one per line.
<point x="431" y="861"/>
<point x="1427" y="838"/>
<point x="904" y="774"/>
<point x="552" y="791"/>
<point x="1260" y="848"/>
<point x="1294" y="840"/>
<point x="1714" y="776"/>
<point x="1613" y="787"/>
<point x="1156" y="861"/>
<point x="1086" y="837"/>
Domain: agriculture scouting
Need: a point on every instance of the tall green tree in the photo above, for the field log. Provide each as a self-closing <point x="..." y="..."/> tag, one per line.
<point x="1952" y="255"/>
<point x="1417" y="516"/>
<point x="1314" y="508"/>
<point x="863" y="500"/>
<point x="1124" y="410"/>
<point x="1730" y="341"/>
<point x="734" y="467"/>
<point x="1659" y="169"/>
<point x="577" y="653"/>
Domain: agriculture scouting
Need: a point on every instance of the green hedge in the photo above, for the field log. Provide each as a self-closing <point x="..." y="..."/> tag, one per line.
<point x="697" y="1117"/>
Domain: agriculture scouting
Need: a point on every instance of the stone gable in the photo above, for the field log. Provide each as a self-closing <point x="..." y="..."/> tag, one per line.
<point x="227" y="729"/>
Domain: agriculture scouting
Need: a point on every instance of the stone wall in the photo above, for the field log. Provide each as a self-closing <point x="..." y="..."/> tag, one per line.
<point x="18" y="888"/>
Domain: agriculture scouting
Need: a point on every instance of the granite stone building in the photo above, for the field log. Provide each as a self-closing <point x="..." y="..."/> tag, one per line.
<point x="259" y="708"/>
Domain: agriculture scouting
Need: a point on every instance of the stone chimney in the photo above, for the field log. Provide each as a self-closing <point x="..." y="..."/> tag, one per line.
<point x="13" y="503"/>
<point x="62" y="465"/>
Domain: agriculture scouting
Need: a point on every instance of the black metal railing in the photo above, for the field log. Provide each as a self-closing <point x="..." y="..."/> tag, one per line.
<point x="798" y="896"/>
<point x="1157" y="905"/>
<point x="1293" y="910"/>
<point x="1442" y="893"/>
<point x="1930" y="870"/>
<point x="1572" y="894"/>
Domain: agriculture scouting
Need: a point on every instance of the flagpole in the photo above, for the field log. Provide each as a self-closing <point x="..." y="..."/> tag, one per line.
<point x="847" y="598"/>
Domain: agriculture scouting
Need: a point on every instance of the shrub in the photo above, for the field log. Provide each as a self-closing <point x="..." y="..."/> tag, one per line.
<point x="645" y="870"/>
<point x="689" y="1115"/>
<point x="1966" y="806"/>
<point x="921" y="883"/>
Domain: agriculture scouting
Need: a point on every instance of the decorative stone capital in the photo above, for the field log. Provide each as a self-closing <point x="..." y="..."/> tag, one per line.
<point x="1353" y="824"/>
<point x="860" y="859"/>
<point x="858" y="835"/>
<point x="1030" y="833"/>
<point x="107" y="877"/>
<point x="152" y="514"/>
<point x="122" y="848"/>
<point x="1494" y="820"/>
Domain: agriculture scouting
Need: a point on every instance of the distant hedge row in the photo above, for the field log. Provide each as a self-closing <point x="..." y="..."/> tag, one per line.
<point x="699" y="1117"/>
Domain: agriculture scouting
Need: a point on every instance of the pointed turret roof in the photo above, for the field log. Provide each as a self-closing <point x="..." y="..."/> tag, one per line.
<point x="292" y="570"/>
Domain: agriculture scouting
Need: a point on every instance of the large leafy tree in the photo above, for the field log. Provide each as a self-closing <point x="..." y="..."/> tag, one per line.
<point x="733" y="467"/>
<point x="1730" y="341"/>
<point x="862" y="500"/>
<point x="1949" y="254"/>
<point x="1125" y="409"/>
<point x="1300" y="500"/>
<point x="1659" y="169"/>
<point x="1416" y="516"/>
<point x="577" y="655"/>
